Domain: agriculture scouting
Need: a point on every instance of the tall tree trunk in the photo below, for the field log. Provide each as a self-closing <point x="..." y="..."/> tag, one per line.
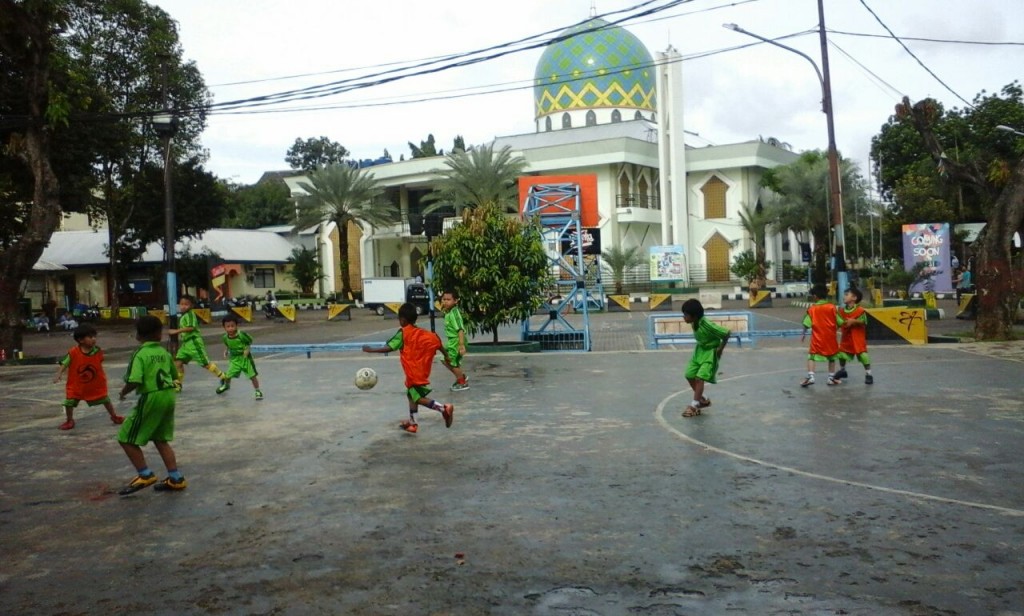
<point x="998" y="286"/>
<point x="113" y="276"/>
<point x="346" y="274"/>
<point x="29" y="45"/>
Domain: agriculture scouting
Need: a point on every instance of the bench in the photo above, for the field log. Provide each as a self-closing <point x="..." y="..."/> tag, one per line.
<point x="673" y="329"/>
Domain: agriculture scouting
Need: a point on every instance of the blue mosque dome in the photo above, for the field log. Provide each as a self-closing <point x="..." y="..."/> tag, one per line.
<point x="596" y="68"/>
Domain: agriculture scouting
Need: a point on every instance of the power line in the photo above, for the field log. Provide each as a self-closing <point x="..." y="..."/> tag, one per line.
<point x="907" y="49"/>
<point x="930" y="40"/>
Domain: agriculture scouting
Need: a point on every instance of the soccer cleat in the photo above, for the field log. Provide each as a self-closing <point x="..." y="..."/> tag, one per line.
<point x="409" y="427"/>
<point x="841" y="374"/>
<point x="258" y="395"/>
<point x="117" y="419"/>
<point x="459" y="386"/>
<point x="449" y="415"/>
<point x="807" y="382"/>
<point x="868" y="379"/>
<point x="67" y="425"/>
<point x="170" y="485"/>
<point x="138" y="483"/>
<point x="225" y="385"/>
<point x="833" y="381"/>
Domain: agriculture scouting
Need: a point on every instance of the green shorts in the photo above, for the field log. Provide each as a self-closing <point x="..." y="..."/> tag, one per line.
<point x="416" y="392"/>
<point x="703" y="370"/>
<point x="452" y="355"/>
<point x="242" y="365"/>
<point x="152" y="419"/>
<point x="72" y="403"/>
<point x="817" y="357"/>
<point x="193" y="348"/>
<point x="863" y="358"/>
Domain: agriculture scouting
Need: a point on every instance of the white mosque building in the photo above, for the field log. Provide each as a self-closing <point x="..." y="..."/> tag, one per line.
<point x="603" y="106"/>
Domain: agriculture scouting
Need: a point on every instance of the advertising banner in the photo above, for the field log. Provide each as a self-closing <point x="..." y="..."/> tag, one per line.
<point x="929" y="244"/>
<point x="668" y="263"/>
<point x="591" y="242"/>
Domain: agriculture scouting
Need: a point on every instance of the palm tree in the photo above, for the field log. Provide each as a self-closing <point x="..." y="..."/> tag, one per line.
<point x="755" y="221"/>
<point x="476" y="177"/>
<point x="342" y="194"/>
<point x="802" y="205"/>
<point x="618" y="260"/>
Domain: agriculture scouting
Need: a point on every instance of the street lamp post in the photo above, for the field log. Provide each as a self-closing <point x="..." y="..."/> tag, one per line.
<point x="1009" y="129"/>
<point x="835" y="187"/>
<point x="166" y="125"/>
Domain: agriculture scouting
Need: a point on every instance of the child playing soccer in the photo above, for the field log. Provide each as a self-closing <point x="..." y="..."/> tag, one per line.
<point x="853" y="321"/>
<point x="237" y="345"/>
<point x="822" y="321"/>
<point x="711" y="339"/>
<point x="151" y="371"/>
<point x="192" y="345"/>
<point x="417" y="349"/>
<point x="455" y="338"/>
<point x="86" y="378"/>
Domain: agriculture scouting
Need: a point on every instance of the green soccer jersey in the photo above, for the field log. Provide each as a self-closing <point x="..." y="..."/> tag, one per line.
<point x="151" y="368"/>
<point x="453" y="324"/>
<point x="189" y="319"/>
<point x="237" y="345"/>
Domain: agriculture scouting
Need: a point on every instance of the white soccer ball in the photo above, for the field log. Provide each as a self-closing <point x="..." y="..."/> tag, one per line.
<point x="366" y="378"/>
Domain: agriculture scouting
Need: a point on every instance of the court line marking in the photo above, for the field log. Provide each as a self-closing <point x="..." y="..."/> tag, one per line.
<point x="659" y="415"/>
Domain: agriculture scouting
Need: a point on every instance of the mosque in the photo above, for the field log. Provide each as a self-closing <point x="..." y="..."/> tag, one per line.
<point x="603" y="107"/>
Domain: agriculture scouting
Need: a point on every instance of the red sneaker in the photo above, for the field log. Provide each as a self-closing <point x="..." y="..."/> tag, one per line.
<point x="449" y="415"/>
<point x="117" y="419"/>
<point x="409" y="426"/>
<point x="67" y="425"/>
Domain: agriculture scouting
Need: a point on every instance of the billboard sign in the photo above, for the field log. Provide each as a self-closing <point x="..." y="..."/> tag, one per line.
<point x="929" y="244"/>
<point x="668" y="263"/>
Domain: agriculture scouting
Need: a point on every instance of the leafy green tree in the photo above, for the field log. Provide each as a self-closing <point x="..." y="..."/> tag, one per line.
<point x="315" y="153"/>
<point x="987" y="166"/>
<point x="343" y="195"/>
<point x="478" y="176"/>
<point x="306" y="270"/>
<point x="426" y="149"/>
<point x="618" y="260"/>
<point x="746" y="266"/>
<point x="263" y="204"/>
<point x="496" y="263"/>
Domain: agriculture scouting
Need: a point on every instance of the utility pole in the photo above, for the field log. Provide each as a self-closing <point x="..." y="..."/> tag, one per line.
<point x="835" y="186"/>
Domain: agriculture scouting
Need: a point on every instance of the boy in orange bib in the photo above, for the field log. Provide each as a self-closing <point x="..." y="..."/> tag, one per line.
<point x="853" y="322"/>
<point x="86" y="379"/>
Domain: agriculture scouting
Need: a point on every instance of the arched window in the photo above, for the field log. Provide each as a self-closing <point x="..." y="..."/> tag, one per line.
<point x="591" y="118"/>
<point x="714" y="197"/>
<point x="638" y="115"/>
<point x="616" y="116"/>
<point x="547" y="123"/>
<point x="566" y="120"/>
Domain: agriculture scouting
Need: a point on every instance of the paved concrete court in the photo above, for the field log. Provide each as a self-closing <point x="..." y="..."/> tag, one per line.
<point x="568" y="485"/>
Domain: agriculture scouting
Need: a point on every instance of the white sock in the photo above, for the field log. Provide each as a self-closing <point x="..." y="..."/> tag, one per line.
<point x="695" y="404"/>
<point x="810" y="375"/>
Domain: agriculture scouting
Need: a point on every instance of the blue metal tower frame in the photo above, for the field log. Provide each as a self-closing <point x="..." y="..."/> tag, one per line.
<point x="557" y="207"/>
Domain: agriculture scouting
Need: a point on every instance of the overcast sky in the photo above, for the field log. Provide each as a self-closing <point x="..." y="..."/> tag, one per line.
<point x="729" y="96"/>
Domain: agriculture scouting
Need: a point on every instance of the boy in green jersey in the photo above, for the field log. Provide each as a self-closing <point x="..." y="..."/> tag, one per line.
<point x="191" y="345"/>
<point x="152" y="373"/>
<point x="237" y="343"/>
<point x="455" y="339"/>
<point x="710" y="339"/>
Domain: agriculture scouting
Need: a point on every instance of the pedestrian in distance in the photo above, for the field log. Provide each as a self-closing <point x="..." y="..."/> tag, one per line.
<point x="191" y="345"/>
<point x="455" y="339"/>
<point x="822" y="322"/>
<point x="710" y="339"/>
<point x="853" y="342"/>
<point x="87" y="381"/>
<point x="417" y="348"/>
<point x="153" y="375"/>
<point x="237" y="350"/>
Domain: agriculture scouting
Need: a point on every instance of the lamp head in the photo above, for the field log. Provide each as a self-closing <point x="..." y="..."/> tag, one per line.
<point x="732" y="27"/>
